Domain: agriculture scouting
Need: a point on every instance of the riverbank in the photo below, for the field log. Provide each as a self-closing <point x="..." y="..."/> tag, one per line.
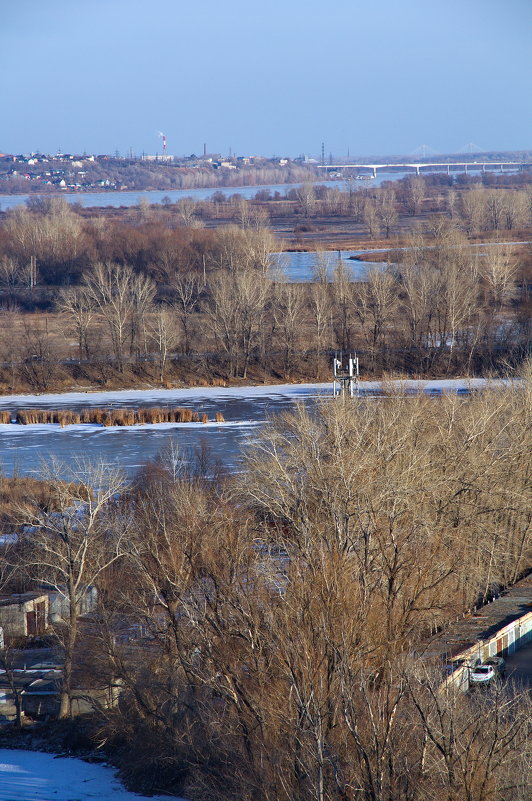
<point x="181" y="374"/>
<point x="38" y="774"/>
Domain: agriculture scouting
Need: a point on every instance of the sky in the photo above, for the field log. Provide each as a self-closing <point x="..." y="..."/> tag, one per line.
<point x="275" y="77"/>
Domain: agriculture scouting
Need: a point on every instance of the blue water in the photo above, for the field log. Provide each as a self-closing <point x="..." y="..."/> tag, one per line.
<point x="300" y="266"/>
<point x="116" y="199"/>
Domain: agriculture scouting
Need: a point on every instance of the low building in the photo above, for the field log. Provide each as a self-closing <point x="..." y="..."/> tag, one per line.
<point x="14" y="681"/>
<point x="59" y="602"/>
<point x="24" y="614"/>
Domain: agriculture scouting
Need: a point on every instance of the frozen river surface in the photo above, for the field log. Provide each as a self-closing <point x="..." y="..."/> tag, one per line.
<point x="23" y="449"/>
<point x="33" y="776"/>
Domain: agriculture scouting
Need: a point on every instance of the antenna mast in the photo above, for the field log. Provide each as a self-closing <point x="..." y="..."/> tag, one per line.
<point x="345" y="376"/>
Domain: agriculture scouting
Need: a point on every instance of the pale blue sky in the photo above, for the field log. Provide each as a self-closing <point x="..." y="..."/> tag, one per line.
<point x="273" y="77"/>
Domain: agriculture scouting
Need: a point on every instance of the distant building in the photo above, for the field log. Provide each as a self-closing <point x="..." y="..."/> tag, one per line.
<point x="24" y="614"/>
<point x="167" y="159"/>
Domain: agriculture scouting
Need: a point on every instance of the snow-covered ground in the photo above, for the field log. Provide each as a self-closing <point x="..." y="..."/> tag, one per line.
<point x="33" y="776"/>
<point x="84" y="428"/>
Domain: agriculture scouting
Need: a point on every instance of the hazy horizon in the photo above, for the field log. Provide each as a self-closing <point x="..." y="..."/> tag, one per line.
<point x="269" y="79"/>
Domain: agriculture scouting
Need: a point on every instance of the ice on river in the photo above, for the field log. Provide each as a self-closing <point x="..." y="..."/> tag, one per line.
<point x="33" y="776"/>
<point x="213" y="394"/>
<point x="24" y="448"/>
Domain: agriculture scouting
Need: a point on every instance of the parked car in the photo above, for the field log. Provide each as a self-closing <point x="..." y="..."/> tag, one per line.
<point x="482" y="674"/>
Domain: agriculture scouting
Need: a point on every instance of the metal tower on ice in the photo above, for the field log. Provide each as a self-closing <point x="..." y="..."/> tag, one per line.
<point x="345" y="376"/>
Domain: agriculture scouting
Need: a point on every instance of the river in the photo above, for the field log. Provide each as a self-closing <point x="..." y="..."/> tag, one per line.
<point x="127" y="198"/>
<point x="299" y="266"/>
<point x="24" y="449"/>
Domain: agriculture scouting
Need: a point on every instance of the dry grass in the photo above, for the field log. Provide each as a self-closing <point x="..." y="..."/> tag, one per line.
<point x="5" y="417"/>
<point x="18" y="494"/>
<point x="109" y="417"/>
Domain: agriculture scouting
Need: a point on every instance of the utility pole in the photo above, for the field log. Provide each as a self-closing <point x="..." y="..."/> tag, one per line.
<point x="33" y="272"/>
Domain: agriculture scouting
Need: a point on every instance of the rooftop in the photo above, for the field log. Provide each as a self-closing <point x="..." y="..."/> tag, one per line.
<point x="481" y="625"/>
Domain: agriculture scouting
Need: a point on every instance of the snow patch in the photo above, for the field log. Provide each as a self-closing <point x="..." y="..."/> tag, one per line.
<point x="82" y="428"/>
<point x="34" y="776"/>
<point x="197" y="394"/>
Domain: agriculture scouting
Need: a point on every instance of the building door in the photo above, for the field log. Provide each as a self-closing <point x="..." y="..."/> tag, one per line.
<point x="31" y="623"/>
<point x="41" y="617"/>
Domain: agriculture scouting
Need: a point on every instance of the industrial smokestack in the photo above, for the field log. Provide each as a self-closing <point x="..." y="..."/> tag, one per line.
<point x="163" y="137"/>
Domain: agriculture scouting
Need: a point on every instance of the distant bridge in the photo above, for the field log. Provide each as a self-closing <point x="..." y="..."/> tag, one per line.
<point x="448" y="165"/>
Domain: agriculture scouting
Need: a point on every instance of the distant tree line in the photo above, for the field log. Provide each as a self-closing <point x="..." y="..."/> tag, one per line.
<point x="147" y="175"/>
<point x="161" y="296"/>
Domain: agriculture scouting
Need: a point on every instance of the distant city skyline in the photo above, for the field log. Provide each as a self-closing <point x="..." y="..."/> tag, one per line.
<point x="267" y="79"/>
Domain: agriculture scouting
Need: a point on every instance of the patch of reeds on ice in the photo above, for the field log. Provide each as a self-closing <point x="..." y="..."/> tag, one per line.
<point x="110" y="417"/>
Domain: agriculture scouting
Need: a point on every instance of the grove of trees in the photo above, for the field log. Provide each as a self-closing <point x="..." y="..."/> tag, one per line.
<point x="158" y="297"/>
<point x="280" y="615"/>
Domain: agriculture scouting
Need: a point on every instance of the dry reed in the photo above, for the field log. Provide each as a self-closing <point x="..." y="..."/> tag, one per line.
<point x="110" y="417"/>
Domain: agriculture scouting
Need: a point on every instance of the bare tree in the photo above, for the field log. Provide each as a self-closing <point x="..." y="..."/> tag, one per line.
<point x="235" y="313"/>
<point x="73" y="544"/>
<point x="473" y="210"/>
<point x="517" y="210"/>
<point x="77" y="305"/>
<point x="187" y="293"/>
<point x="320" y="309"/>
<point x="451" y="199"/>
<point x="122" y="298"/>
<point x="288" y="308"/>
<point x="250" y="216"/>
<point x="494" y="209"/>
<point x="375" y="301"/>
<point x="160" y="326"/>
<point x="415" y="192"/>
<point x="187" y="211"/>
<point x="10" y="274"/>
<point x="342" y="304"/>
<point x="498" y="268"/>
<point x="243" y="249"/>
<point x="476" y="747"/>
<point x="371" y="218"/>
<point x="53" y="233"/>
<point x="387" y="211"/>
<point x="307" y="197"/>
